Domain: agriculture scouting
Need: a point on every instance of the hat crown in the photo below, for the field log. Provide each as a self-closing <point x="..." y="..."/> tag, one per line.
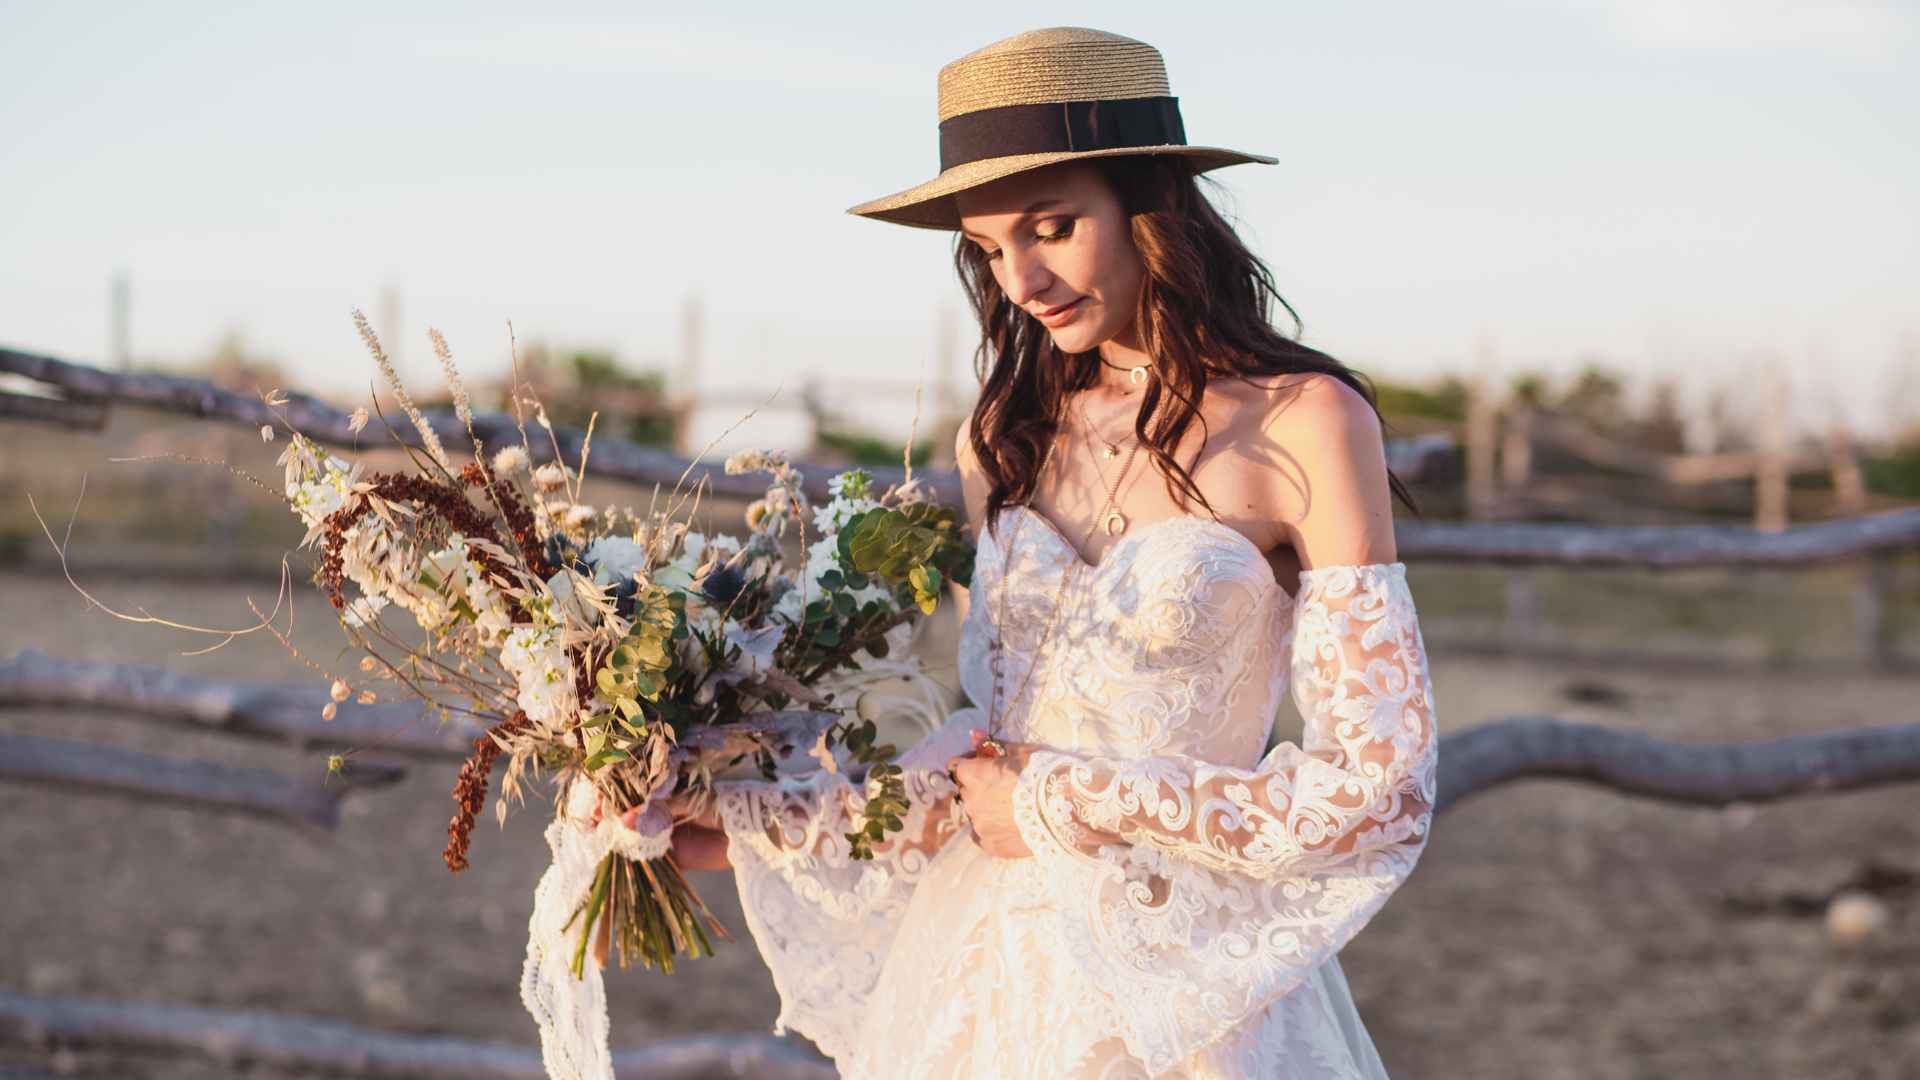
<point x="1059" y="63"/>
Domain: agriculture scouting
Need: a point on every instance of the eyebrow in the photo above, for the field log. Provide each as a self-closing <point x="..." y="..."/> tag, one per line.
<point x="1024" y="215"/>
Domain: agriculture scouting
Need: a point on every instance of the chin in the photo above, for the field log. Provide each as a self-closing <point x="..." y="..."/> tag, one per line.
<point x="1076" y="338"/>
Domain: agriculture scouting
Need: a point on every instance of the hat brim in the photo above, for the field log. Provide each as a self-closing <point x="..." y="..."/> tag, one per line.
<point x="931" y="205"/>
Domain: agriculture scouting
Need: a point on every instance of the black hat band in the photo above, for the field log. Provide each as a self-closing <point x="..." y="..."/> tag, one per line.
<point x="1055" y="126"/>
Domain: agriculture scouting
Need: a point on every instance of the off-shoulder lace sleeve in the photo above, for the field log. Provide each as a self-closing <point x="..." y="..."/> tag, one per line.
<point x="823" y="921"/>
<point x="1223" y="887"/>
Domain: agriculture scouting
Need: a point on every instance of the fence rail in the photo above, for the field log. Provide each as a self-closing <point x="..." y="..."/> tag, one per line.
<point x="1461" y="542"/>
<point x="1472" y="761"/>
<point x="256" y="1036"/>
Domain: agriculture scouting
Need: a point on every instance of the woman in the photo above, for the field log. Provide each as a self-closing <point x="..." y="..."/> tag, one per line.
<point x="1101" y="874"/>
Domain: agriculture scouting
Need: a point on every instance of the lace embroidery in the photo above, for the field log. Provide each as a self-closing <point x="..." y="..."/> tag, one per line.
<point x="1187" y="897"/>
<point x="1220" y="887"/>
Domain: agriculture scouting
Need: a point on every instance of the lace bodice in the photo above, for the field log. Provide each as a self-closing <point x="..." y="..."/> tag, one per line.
<point x="1187" y="894"/>
<point x="1169" y="644"/>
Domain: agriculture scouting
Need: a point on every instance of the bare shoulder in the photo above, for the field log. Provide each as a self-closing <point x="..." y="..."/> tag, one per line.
<point x="973" y="479"/>
<point x="1317" y="410"/>
<point x="1331" y="476"/>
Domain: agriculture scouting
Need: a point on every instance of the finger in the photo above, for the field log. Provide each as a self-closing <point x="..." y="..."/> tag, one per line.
<point x="630" y="818"/>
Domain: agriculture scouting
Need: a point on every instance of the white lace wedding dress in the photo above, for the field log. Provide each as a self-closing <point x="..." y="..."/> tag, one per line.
<point x="1187" y="896"/>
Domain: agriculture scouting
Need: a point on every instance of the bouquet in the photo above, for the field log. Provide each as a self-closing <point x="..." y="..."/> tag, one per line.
<point x="627" y="653"/>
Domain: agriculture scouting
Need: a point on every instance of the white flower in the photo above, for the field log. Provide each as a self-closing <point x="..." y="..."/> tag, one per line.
<point x="578" y="516"/>
<point x="446" y="563"/>
<point x="791" y="605"/>
<point x="363" y="610"/>
<point x="566" y="598"/>
<point x="358" y="420"/>
<point x="692" y="547"/>
<point x="266" y="432"/>
<point x="539" y="667"/>
<point x="510" y="460"/>
<point x="615" y="558"/>
<point x="549" y="478"/>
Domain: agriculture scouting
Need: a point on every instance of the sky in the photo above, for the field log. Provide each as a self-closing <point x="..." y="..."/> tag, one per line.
<point x="1700" y="189"/>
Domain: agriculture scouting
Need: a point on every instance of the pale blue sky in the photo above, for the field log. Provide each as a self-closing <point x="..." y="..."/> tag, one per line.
<point x="1685" y="185"/>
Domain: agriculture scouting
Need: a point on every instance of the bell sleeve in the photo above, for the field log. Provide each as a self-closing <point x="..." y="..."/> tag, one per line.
<point x="1211" y="890"/>
<point x="824" y="922"/>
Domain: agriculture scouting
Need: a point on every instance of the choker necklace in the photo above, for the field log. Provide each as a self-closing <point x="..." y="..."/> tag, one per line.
<point x="1136" y="375"/>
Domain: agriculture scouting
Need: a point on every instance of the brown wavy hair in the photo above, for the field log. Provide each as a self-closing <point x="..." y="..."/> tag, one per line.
<point x="1205" y="311"/>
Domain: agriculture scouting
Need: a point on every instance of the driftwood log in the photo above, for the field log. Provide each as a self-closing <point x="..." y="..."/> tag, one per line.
<point x="283" y="713"/>
<point x="72" y="765"/>
<point x="1701" y="774"/>
<point x="233" y="1036"/>
<point x="1474" y="760"/>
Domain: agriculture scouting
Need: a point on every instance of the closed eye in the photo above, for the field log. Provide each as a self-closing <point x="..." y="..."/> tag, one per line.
<point x="1065" y="230"/>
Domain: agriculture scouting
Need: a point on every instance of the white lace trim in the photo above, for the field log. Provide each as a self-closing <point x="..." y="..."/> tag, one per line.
<point x="572" y="1013"/>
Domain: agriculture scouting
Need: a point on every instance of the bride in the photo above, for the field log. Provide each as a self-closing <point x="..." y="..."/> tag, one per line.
<point x="1102" y="874"/>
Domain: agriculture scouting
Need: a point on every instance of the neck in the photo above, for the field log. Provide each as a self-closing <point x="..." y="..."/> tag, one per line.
<point x="1116" y="369"/>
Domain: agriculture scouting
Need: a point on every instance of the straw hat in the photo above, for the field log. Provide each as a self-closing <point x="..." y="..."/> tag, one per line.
<point x="1046" y="96"/>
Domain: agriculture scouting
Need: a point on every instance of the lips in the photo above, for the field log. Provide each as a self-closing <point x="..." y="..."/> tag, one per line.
<point x="1051" y="312"/>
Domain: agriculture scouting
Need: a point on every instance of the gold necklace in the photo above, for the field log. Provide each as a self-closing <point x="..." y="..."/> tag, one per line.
<point x="991" y="745"/>
<point x="1114" y="521"/>
<point x="1113" y="448"/>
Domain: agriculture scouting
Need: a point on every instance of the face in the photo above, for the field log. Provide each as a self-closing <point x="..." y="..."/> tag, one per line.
<point x="1058" y="240"/>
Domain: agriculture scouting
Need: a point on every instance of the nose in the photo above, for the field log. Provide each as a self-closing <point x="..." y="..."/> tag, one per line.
<point x="1023" y="276"/>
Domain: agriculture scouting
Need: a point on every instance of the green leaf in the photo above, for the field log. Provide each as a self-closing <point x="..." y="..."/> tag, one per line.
<point x="603" y="758"/>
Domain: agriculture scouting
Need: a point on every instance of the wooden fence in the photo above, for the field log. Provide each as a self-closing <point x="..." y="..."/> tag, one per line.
<point x="1472" y="762"/>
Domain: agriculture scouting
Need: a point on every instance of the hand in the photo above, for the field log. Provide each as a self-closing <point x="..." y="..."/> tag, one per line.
<point x="680" y="806"/>
<point x="699" y="843"/>
<point x="986" y="792"/>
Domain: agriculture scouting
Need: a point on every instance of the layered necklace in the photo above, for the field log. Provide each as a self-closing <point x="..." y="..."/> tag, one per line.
<point x="1108" y="517"/>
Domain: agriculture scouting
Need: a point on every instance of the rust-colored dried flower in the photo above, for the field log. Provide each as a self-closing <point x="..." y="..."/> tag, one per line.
<point x="470" y="791"/>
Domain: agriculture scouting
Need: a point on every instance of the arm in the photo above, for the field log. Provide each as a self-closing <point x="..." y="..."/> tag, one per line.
<point x="813" y="817"/>
<point x="1362" y="783"/>
<point x="1363" y="780"/>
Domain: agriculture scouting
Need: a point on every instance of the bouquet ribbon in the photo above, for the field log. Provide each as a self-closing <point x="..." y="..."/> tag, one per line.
<point x="572" y="1013"/>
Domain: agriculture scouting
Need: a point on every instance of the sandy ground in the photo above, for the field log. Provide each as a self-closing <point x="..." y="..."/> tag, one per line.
<point x="1550" y="931"/>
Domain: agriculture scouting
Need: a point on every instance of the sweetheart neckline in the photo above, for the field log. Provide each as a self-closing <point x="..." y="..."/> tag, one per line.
<point x="1096" y="565"/>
